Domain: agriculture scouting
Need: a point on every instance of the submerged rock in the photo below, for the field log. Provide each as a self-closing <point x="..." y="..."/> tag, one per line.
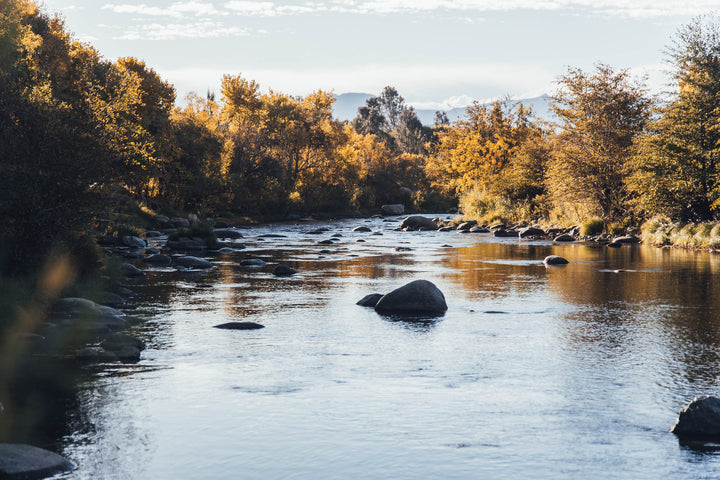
<point x="361" y="228"/>
<point x="192" y="262"/>
<point x="131" y="271"/>
<point x="370" y="300"/>
<point x="699" y="420"/>
<point x="555" y="260"/>
<point x="418" y="297"/>
<point x="253" y="262"/>
<point x="564" y="238"/>
<point x="26" y="462"/>
<point x="284" y="271"/>
<point x="240" y="326"/>
<point x="158" y="259"/>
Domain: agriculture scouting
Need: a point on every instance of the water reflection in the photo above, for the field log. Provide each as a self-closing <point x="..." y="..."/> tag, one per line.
<point x="573" y="371"/>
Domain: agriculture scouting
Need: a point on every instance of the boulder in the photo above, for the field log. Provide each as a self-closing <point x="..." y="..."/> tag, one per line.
<point x="118" y="341"/>
<point x="131" y="271"/>
<point x="318" y="231"/>
<point x="192" y="262"/>
<point x="504" y="233"/>
<point x="180" y="222"/>
<point x="228" y="233"/>
<point x="153" y="234"/>
<point x="614" y="245"/>
<point x="362" y="228"/>
<point x="95" y="355"/>
<point x="113" y="300"/>
<point x="418" y="297"/>
<point x="133" y="242"/>
<point x="253" y="262"/>
<point x="393" y="209"/>
<point x="158" y="260"/>
<point x="531" y="232"/>
<point x="564" y="238"/>
<point x="477" y="229"/>
<point x="555" y="260"/>
<point x="284" y="271"/>
<point x="699" y="420"/>
<point x="370" y="300"/>
<point x="415" y="222"/>
<point x="467" y="225"/>
<point x="19" y="461"/>
<point x="240" y="326"/>
<point x="627" y="239"/>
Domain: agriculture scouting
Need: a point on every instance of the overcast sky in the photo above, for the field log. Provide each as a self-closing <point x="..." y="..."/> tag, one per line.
<point x="438" y="54"/>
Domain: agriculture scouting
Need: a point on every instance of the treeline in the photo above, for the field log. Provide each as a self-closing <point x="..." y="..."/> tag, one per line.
<point x="78" y="131"/>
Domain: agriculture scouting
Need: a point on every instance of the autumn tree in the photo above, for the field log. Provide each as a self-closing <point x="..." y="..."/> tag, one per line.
<point x="601" y="113"/>
<point x="676" y="171"/>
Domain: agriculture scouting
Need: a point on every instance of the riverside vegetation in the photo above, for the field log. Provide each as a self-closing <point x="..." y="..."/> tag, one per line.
<point x="92" y="147"/>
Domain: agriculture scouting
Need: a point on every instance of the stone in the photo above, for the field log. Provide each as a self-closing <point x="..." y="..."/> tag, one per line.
<point x="128" y="353"/>
<point x="253" y="262"/>
<point x="531" y="232"/>
<point x="318" y="231"/>
<point x="614" y="245"/>
<point x="133" y="242"/>
<point x="467" y="225"/>
<point x="192" y="262"/>
<point x="118" y="341"/>
<point x="393" y="209"/>
<point x="699" y="420"/>
<point x="161" y="219"/>
<point x="283" y="271"/>
<point x="504" y="233"/>
<point x="131" y="271"/>
<point x="228" y="233"/>
<point x="417" y="297"/>
<point x="153" y="234"/>
<point x="477" y="229"/>
<point x="564" y="238"/>
<point x="18" y="461"/>
<point x="362" y="228"/>
<point x="370" y="300"/>
<point x="95" y="355"/>
<point x="180" y="222"/>
<point x="329" y="241"/>
<point x="416" y="222"/>
<point x="555" y="260"/>
<point x="240" y="326"/>
<point x="159" y="260"/>
<point x="113" y="300"/>
<point x="626" y="239"/>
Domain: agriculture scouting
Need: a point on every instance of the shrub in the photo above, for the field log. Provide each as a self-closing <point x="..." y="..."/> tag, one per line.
<point x="592" y="226"/>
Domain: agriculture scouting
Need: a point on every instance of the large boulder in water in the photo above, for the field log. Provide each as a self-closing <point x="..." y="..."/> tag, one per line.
<point x="416" y="222"/>
<point x="555" y="260"/>
<point x="699" y="420"/>
<point x="370" y="300"/>
<point x="28" y="462"/>
<point x="418" y="297"/>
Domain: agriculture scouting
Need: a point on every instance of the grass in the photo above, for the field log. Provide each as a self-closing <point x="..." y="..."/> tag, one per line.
<point x="663" y="231"/>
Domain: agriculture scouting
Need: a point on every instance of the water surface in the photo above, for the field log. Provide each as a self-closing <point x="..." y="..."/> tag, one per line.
<point x="546" y="373"/>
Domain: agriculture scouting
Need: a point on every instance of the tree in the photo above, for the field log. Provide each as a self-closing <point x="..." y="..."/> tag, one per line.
<point x="677" y="167"/>
<point x="602" y="114"/>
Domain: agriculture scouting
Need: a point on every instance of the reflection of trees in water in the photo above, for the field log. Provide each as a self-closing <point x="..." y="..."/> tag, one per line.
<point x="667" y="308"/>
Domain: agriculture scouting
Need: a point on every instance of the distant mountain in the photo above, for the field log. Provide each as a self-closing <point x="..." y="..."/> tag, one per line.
<point x="346" y="106"/>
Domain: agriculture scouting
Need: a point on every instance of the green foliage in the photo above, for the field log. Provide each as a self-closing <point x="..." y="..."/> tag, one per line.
<point x="122" y="230"/>
<point x="602" y="114"/>
<point x="676" y="171"/>
<point x="201" y="230"/>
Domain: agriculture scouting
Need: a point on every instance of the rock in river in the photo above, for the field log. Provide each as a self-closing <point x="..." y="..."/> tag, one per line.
<point x="418" y="297"/>
<point x="284" y="271"/>
<point x="240" y="326"/>
<point x="393" y="209"/>
<point x="555" y="260"/>
<point x="192" y="262"/>
<point x="699" y="420"/>
<point x="416" y="222"/>
<point x="370" y="300"/>
<point x="19" y="461"/>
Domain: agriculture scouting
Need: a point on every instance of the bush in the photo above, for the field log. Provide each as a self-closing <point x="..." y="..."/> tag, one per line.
<point x="592" y="226"/>
<point x="196" y="230"/>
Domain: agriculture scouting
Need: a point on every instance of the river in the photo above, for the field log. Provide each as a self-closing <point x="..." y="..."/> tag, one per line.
<point x="533" y="372"/>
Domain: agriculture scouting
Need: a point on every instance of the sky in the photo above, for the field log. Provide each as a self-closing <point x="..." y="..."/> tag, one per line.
<point x="438" y="54"/>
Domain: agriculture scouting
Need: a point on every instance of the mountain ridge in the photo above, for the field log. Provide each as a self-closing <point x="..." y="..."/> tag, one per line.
<point x="346" y="105"/>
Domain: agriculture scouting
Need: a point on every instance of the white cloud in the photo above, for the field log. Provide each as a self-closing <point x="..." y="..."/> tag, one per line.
<point x="173" y="31"/>
<point x="176" y="10"/>
<point x="252" y="8"/>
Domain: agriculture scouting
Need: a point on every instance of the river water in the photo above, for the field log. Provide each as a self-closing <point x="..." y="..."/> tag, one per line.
<point x="544" y="373"/>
